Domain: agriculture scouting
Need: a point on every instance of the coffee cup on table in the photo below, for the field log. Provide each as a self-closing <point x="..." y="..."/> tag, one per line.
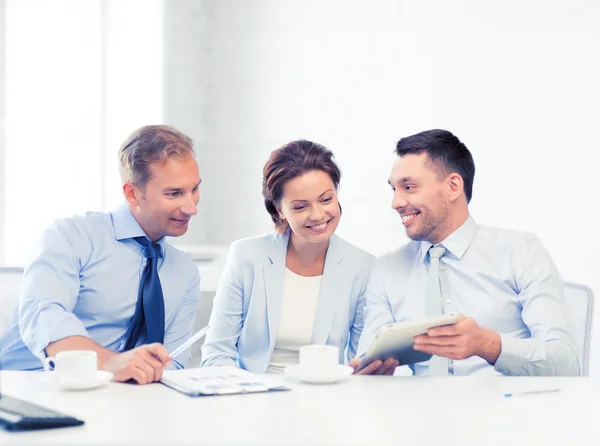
<point x="319" y="360"/>
<point x="73" y="366"/>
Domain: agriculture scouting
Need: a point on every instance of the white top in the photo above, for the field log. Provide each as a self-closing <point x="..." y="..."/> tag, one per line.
<point x="300" y="298"/>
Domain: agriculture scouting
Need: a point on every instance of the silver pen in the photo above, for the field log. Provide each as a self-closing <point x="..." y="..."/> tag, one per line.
<point x="189" y="342"/>
<point x="531" y="392"/>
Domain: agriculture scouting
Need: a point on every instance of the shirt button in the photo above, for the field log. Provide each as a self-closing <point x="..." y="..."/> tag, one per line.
<point x="442" y="267"/>
<point x="448" y="301"/>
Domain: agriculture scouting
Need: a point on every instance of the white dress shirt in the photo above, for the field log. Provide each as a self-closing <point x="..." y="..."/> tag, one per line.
<point x="504" y="280"/>
<point x="298" y="311"/>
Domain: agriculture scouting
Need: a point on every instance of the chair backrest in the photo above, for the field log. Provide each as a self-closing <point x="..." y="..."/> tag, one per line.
<point x="580" y="301"/>
<point x="10" y="281"/>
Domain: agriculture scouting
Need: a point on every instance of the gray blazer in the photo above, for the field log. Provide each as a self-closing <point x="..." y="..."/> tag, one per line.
<point x="247" y="307"/>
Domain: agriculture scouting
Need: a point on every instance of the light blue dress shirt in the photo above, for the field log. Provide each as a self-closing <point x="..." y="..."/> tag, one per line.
<point x="504" y="280"/>
<point x="244" y="322"/>
<point x="84" y="282"/>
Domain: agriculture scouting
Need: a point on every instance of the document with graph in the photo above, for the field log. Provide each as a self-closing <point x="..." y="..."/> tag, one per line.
<point x="211" y="381"/>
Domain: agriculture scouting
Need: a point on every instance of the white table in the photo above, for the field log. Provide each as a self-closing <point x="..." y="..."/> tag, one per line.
<point x="361" y="410"/>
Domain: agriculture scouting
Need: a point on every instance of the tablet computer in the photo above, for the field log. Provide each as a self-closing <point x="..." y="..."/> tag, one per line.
<point x="396" y="340"/>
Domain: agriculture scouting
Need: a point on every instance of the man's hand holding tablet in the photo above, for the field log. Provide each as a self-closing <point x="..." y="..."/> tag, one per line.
<point x="394" y="345"/>
<point x="461" y="340"/>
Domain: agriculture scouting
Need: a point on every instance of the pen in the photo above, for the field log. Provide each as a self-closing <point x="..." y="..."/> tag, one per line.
<point x="189" y="342"/>
<point x="531" y="392"/>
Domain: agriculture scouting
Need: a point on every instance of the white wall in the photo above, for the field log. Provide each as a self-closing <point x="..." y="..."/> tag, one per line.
<point x="53" y="116"/>
<point x="80" y="76"/>
<point x="516" y="81"/>
<point x="133" y="69"/>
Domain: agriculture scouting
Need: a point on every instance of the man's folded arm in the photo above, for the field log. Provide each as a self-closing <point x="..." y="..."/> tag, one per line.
<point x="551" y="349"/>
<point x="50" y="291"/>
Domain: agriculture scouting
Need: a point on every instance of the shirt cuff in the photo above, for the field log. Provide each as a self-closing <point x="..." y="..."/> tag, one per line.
<point x="66" y="327"/>
<point x="513" y="352"/>
<point x="220" y="362"/>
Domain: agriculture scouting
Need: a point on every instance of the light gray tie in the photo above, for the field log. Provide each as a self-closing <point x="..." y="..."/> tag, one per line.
<point x="438" y="366"/>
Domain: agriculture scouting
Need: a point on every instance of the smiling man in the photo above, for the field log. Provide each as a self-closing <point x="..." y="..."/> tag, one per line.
<point x="110" y="282"/>
<point x="504" y="284"/>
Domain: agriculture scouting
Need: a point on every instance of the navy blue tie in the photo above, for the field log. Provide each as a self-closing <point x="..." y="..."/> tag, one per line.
<point x="150" y="308"/>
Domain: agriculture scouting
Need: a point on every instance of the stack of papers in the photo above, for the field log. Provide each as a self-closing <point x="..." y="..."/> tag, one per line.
<point x="219" y="381"/>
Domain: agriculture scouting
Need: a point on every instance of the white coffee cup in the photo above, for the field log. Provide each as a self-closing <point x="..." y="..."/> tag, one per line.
<point x="319" y="360"/>
<point x="73" y="365"/>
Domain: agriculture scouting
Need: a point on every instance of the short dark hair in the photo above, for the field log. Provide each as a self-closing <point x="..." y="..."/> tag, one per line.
<point x="291" y="161"/>
<point x="447" y="153"/>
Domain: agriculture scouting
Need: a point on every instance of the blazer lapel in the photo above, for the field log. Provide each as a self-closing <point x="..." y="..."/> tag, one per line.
<point x="334" y="274"/>
<point x="274" y="274"/>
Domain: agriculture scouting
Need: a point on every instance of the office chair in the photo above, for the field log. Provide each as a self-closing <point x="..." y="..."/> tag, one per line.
<point x="580" y="301"/>
<point x="10" y="281"/>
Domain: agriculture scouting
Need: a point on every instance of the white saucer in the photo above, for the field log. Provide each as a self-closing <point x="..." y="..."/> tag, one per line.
<point x="295" y="372"/>
<point x="102" y="378"/>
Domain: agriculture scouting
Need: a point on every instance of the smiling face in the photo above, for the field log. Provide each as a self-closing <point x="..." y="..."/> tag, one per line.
<point x="169" y="200"/>
<point x="309" y="204"/>
<point x="422" y="198"/>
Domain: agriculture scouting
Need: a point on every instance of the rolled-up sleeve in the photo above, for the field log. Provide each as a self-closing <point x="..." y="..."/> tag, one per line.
<point x="50" y="290"/>
<point x="551" y="349"/>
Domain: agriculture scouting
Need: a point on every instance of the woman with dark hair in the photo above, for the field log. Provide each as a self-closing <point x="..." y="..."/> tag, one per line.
<point x="302" y="284"/>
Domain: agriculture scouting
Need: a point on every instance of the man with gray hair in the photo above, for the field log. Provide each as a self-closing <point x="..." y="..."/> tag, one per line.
<point x="109" y="282"/>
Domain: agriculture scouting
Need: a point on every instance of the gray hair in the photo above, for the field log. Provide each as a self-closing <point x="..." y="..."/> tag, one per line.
<point x="147" y="145"/>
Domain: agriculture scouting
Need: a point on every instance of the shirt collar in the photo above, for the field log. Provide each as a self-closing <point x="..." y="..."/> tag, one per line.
<point x="126" y="226"/>
<point x="458" y="242"/>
